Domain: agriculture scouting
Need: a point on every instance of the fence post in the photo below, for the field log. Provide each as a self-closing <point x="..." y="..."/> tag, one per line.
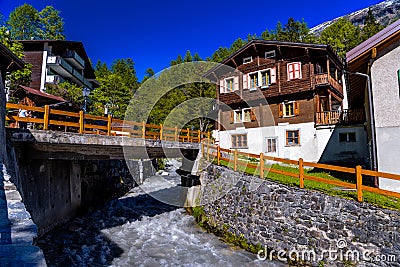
<point x="46" y="117"/>
<point x="235" y="159"/>
<point x="176" y="133"/>
<point x="359" y="183"/>
<point x="301" y="173"/>
<point x="208" y="135"/>
<point x="218" y="155"/>
<point x="81" y="122"/>
<point x="262" y="165"/>
<point x="188" y="134"/>
<point x="202" y="150"/>
<point x="208" y="151"/>
<point x="198" y="136"/>
<point x="109" y="125"/>
<point x="143" y="130"/>
<point x="161" y="132"/>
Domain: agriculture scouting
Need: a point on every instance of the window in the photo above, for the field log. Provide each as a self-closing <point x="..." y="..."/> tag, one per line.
<point x="293" y="138"/>
<point x="253" y="80"/>
<point x="247" y="60"/>
<point x="265" y="78"/>
<point x="347" y="137"/>
<point x="229" y="85"/>
<point x="270" y="54"/>
<point x="271" y="145"/>
<point x="244" y="115"/>
<point x="239" y="140"/>
<point x="289" y="109"/>
<point x="294" y="71"/>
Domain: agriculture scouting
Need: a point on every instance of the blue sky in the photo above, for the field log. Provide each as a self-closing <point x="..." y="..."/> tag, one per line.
<point x="153" y="33"/>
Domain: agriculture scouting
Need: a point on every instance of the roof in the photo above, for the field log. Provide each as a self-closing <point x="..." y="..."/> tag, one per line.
<point x="328" y="48"/>
<point x="9" y="59"/>
<point x="58" y="47"/>
<point x="374" y="41"/>
<point x="358" y="60"/>
<point x="42" y="94"/>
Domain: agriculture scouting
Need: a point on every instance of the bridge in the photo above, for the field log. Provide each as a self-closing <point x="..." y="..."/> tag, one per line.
<point x="68" y="161"/>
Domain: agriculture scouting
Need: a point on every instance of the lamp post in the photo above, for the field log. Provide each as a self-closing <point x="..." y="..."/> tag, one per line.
<point x="85" y="93"/>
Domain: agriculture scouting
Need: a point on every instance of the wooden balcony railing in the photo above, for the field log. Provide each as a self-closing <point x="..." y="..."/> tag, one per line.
<point x="343" y="117"/>
<point x="58" y="120"/>
<point x="325" y="79"/>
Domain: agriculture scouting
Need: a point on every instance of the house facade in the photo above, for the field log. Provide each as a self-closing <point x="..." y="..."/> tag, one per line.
<point x="287" y="100"/>
<point x="56" y="61"/>
<point x="8" y="62"/>
<point x="379" y="59"/>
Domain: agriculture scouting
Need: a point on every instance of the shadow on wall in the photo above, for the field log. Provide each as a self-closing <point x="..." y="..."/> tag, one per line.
<point x="347" y="146"/>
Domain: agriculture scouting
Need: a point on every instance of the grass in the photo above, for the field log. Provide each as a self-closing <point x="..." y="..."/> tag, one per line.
<point x="372" y="198"/>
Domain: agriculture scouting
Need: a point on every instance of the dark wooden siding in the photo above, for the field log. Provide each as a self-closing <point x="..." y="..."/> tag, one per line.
<point x="267" y="115"/>
<point x="35" y="58"/>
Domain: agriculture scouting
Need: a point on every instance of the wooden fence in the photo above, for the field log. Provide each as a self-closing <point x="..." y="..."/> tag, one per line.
<point x="52" y="119"/>
<point x="237" y="158"/>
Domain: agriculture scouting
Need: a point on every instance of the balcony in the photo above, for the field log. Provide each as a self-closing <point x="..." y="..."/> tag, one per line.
<point x="60" y="66"/>
<point x="344" y="117"/>
<point x="324" y="79"/>
<point x="74" y="59"/>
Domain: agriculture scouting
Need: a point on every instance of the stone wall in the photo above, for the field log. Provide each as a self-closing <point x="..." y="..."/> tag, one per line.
<point x="288" y="219"/>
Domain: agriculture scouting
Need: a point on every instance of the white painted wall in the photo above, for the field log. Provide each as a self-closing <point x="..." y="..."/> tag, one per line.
<point x="314" y="143"/>
<point x="386" y="102"/>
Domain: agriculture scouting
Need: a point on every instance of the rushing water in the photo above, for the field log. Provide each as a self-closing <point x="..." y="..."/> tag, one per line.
<point x="137" y="230"/>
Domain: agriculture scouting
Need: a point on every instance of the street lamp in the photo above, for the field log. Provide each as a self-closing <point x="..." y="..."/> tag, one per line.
<point x="85" y="93"/>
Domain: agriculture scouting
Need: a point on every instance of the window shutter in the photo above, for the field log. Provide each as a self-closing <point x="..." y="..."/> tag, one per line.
<point x="280" y="110"/>
<point x="297" y="70"/>
<point x="245" y="81"/>
<point x="273" y="75"/>
<point x="252" y="115"/>
<point x="221" y="86"/>
<point x="236" y="83"/>
<point x="290" y="71"/>
<point x="296" y="108"/>
<point x="232" y="119"/>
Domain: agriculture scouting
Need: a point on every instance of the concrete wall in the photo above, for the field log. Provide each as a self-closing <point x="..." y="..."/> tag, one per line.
<point x="316" y="145"/>
<point x="386" y="103"/>
<point x="285" y="219"/>
<point x="55" y="191"/>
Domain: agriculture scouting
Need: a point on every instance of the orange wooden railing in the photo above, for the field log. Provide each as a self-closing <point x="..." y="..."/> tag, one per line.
<point x="325" y="79"/>
<point x="232" y="156"/>
<point x="347" y="116"/>
<point x="47" y="118"/>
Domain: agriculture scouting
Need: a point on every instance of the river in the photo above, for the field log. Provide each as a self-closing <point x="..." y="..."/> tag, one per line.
<point x="138" y="230"/>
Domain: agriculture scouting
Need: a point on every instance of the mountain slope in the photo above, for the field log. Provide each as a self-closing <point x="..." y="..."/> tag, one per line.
<point x="385" y="13"/>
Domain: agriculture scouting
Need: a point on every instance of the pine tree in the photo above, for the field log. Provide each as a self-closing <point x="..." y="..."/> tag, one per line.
<point x="371" y="26"/>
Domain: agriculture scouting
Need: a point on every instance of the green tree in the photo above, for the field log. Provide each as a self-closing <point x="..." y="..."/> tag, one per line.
<point x="19" y="77"/>
<point x="51" y="24"/>
<point x="24" y="23"/>
<point x="68" y="91"/>
<point x="116" y="89"/>
<point x="371" y="26"/>
<point x="188" y="57"/>
<point x="342" y="36"/>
